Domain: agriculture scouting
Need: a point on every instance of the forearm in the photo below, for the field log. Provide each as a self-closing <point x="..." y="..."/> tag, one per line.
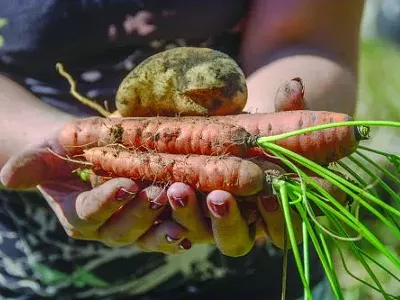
<point x="315" y="40"/>
<point x="24" y="119"/>
<point x="329" y="84"/>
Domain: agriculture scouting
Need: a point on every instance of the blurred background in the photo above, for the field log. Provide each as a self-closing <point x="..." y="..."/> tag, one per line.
<point x="379" y="99"/>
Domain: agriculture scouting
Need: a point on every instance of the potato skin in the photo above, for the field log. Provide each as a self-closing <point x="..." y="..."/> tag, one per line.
<point x="185" y="81"/>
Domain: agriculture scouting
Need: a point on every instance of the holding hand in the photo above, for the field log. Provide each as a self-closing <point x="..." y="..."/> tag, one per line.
<point x="120" y="211"/>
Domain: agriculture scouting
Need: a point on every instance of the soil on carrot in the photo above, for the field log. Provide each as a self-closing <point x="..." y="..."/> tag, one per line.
<point x="116" y="133"/>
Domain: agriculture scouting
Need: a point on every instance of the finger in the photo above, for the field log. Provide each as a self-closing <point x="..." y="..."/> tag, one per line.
<point x="96" y="206"/>
<point x="274" y="219"/>
<point x="167" y="237"/>
<point x="231" y="233"/>
<point x="187" y="212"/>
<point x="34" y="166"/>
<point x="290" y="96"/>
<point x="135" y="218"/>
<point x="82" y="213"/>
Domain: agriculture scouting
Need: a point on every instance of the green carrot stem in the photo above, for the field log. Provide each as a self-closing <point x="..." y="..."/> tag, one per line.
<point x="334" y="178"/>
<point x="357" y="225"/>
<point x="374" y="151"/>
<point x="324" y="261"/>
<point x="344" y="217"/>
<point x="380" y="168"/>
<point x="326" y="249"/>
<point x="392" y="193"/>
<point x="284" y="265"/>
<point x="274" y="138"/>
<point x="306" y="256"/>
<point x="355" y="176"/>
<point x="368" y="269"/>
<point x="378" y="264"/>
<point x="341" y="214"/>
<point x="343" y="184"/>
<point x="281" y="187"/>
<point x="355" y="250"/>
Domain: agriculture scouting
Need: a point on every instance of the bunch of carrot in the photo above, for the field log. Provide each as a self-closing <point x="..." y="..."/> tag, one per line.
<point x="207" y="152"/>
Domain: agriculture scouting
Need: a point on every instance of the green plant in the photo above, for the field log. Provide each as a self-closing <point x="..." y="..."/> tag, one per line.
<point x="345" y="225"/>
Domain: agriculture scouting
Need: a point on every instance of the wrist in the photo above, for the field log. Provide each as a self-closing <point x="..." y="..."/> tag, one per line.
<point x="30" y="132"/>
<point x="24" y="119"/>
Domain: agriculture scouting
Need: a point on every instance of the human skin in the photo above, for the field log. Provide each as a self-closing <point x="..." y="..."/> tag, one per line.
<point x="316" y="40"/>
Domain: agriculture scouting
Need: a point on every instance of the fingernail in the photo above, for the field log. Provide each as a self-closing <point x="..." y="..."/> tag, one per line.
<point x="123" y="194"/>
<point x="270" y="203"/>
<point x="221" y="209"/>
<point x="170" y="239"/>
<point x="180" y="201"/>
<point x="185" y="244"/>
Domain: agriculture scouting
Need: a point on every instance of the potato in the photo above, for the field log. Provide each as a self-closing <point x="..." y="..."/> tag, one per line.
<point x="185" y="81"/>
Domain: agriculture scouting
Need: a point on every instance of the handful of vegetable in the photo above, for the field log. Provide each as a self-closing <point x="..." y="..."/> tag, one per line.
<point x="206" y="152"/>
<point x="182" y="123"/>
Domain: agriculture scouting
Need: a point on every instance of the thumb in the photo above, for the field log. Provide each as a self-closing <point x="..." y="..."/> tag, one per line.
<point x="33" y="166"/>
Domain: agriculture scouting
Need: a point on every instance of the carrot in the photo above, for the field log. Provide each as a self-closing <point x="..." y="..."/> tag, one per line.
<point x="238" y="176"/>
<point x="216" y="135"/>
<point x="163" y="134"/>
<point x="290" y="96"/>
<point x="322" y="146"/>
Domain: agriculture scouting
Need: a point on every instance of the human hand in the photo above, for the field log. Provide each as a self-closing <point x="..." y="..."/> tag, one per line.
<point x="115" y="213"/>
<point x="120" y="212"/>
<point x="232" y="224"/>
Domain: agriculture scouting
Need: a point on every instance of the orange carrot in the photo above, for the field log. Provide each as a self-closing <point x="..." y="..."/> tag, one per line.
<point x="238" y="176"/>
<point x="322" y="146"/>
<point x="163" y="134"/>
<point x="234" y="134"/>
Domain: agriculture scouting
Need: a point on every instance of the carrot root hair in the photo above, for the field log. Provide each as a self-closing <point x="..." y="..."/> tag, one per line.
<point x="85" y="101"/>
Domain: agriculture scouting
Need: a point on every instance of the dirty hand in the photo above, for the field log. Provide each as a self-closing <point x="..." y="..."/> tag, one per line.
<point x="117" y="212"/>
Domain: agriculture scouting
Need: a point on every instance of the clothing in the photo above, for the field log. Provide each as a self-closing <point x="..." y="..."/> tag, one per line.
<point x="99" y="42"/>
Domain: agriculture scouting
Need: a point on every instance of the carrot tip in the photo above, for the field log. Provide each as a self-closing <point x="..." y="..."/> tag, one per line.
<point x="362" y="132"/>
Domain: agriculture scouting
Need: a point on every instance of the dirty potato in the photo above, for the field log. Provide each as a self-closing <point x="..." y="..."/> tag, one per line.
<point x="185" y="81"/>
